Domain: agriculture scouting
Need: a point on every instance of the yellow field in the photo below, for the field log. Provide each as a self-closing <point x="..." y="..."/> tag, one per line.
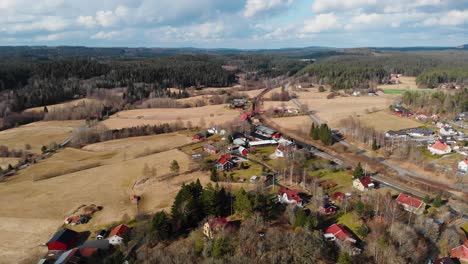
<point x="296" y="123"/>
<point x="34" y="210"/>
<point x="53" y="107"/>
<point x="135" y="146"/>
<point x="384" y="121"/>
<point x="212" y="114"/>
<point x="38" y="134"/>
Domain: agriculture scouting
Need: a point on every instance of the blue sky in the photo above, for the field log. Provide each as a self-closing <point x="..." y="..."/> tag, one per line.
<point x="234" y="23"/>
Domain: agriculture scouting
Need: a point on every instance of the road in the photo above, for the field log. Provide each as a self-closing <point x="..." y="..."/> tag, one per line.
<point x="401" y="171"/>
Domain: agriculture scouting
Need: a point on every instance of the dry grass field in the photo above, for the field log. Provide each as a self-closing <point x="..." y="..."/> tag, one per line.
<point x="5" y="161"/>
<point x="384" y="120"/>
<point x="406" y="83"/>
<point x="61" y="105"/>
<point x="212" y="114"/>
<point x="38" y="208"/>
<point x="38" y="134"/>
<point x="333" y="110"/>
<point x="296" y="123"/>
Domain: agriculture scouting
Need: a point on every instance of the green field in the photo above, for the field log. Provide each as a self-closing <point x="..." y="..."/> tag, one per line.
<point x="351" y="221"/>
<point x="393" y="91"/>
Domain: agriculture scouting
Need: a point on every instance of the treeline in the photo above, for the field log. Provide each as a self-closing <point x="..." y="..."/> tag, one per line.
<point x="261" y="66"/>
<point x="322" y="133"/>
<point x="437" y="103"/>
<point x="433" y="77"/>
<point x="85" y="136"/>
<point x="364" y="71"/>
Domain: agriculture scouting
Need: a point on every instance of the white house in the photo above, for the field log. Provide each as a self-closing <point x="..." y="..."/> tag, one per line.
<point x="439" y="148"/>
<point x="118" y="234"/>
<point x="447" y="131"/>
<point x="279" y="152"/>
<point x="363" y="184"/>
<point x="463" y="165"/>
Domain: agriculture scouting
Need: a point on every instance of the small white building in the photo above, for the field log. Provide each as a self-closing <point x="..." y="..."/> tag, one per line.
<point x="439" y="148"/>
<point x="286" y="196"/>
<point x="463" y="165"/>
<point x="447" y="131"/>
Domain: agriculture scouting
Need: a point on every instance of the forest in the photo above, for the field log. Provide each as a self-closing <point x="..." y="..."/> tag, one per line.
<point x="367" y="70"/>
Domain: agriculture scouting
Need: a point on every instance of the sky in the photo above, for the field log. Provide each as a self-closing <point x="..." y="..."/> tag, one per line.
<point x="245" y="24"/>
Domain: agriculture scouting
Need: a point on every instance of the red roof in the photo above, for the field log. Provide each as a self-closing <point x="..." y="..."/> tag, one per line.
<point x="292" y="194"/>
<point x="409" y="200"/>
<point x="440" y="146"/>
<point x="87" y="252"/>
<point x="224" y="159"/>
<point x="339" y="232"/>
<point x="120" y="231"/>
<point x="339" y="196"/>
<point x="365" y="181"/>
<point x="460" y="252"/>
<point x="217" y="222"/>
<point x="281" y="148"/>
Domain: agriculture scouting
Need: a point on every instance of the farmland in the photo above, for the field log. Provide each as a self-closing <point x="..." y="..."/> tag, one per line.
<point x="68" y="104"/>
<point x="384" y="120"/>
<point x="200" y="116"/>
<point x="38" y="134"/>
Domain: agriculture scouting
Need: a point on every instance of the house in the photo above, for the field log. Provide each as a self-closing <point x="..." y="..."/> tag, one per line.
<point x="216" y="131"/>
<point x="328" y="208"/>
<point x="338" y="232"/>
<point x="410" y="203"/>
<point x="64" y="239"/>
<point x="420" y="132"/>
<point x="289" y="197"/>
<point x="338" y="196"/>
<point x="225" y="162"/>
<point x="401" y="111"/>
<point x="447" y="131"/>
<point x="101" y="234"/>
<point x="279" y="152"/>
<point x="210" y="149"/>
<point x="439" y="148"/>
<point x="135" y="198"/>
<point x="92" y="246"/>
<point x="200" y="136"/>
<point x="463" y="165"/>
<point x="363" y="184"/>
<point x="243" y="151"/>
<point x="262" y="142"/>
<point x="267" y="132"/>
<point x="240" y="141"/>
<point x="214" y="225"/>
<point x="460" y="252"/>
<point x="116" y="237"/>
<point x="396" y="134"/>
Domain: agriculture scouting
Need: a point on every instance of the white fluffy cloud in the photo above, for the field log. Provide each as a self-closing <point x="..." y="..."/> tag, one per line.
<point x="451" y="18"/>
<point x="320" y="23"/>
<point x="321" y="6"/>
<point x="107" y="35"/>
<point x="253" y="7"/>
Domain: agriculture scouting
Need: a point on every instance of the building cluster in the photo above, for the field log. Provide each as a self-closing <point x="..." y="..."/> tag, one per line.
<point x="71" y="247"/>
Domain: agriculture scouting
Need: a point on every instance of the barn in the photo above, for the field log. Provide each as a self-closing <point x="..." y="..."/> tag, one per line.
<point x="64" y="239"/>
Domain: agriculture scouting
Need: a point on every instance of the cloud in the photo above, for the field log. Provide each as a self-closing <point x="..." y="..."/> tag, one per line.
<point x="320" y="23"/>
<point x="47" y="23"/>
<point x="451" y="18"/>
<point x="253" y="7"/>
<point x="86" y="21"/>
<point x="321" y="6"/>
<point x="107" y="35"/>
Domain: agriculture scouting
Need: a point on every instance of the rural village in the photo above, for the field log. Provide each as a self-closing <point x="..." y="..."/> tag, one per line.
<point x="358" y="175"/>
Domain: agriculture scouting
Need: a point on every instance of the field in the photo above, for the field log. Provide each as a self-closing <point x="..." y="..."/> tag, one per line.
<point x="384" y="121"/>
<point x="334" y="110"/>
<point x="103" y="174"/>
<point x="297" y="123"/>
<point x="406" y="83"/>
<point x="351" y="221"/>
<point x="51" y="200"/>
<point x="51" y="108"/>
<point x="209" y="115"/>
<point x="38" y="134"/>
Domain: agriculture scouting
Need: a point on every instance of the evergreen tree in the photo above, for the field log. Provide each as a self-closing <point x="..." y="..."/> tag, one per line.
<point x="161" y="227"/>
<point x="242" y="203"/>
<point x="301" y="218"/>
<point x="220" y="247"/>
<point x="214" y="175"/>
<point x="363" y="230"/>
<point x="437" y="201"/>
<point x="174" y="166"/>
<point x="209" y="200"/>
<point x="427" y="199"/>
<point x="374" y="145"/>
<point x="46" y="110"/>
<point x="358" y="171"/>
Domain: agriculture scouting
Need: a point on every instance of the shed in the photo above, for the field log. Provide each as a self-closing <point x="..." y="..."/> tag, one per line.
<point x="63" y="240"/>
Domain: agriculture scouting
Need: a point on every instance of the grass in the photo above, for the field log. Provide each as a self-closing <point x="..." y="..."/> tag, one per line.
<point x="254" y="169"/>
<point x="393" y="91"/>
<point x="343" y="180"/>
<point x="351" y="221"/>
<point x="464" y="227"/>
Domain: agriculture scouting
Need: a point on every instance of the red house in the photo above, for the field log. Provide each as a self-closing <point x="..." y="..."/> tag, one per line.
<point x="225" y="162"/>
<point x="286" y="196"/>
<point x="63" y="240"/>
<point x="210" y="149"/>
<point x="410" y="203"/>
<point x="336" y="231"/>
<point x="199" y="136"/>
<point x="460" y="252"/>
